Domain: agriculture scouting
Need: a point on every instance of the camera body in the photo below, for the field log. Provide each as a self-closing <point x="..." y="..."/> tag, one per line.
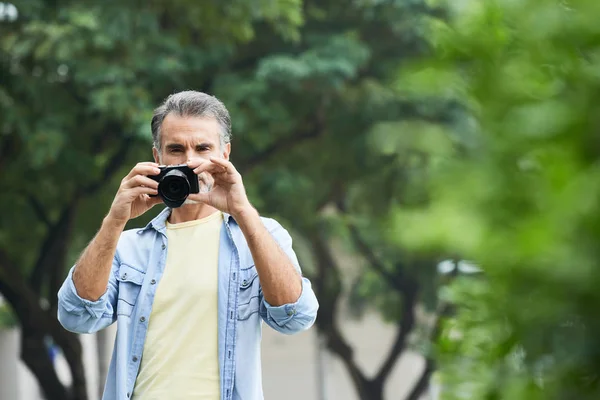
<point x="175" y="184"/>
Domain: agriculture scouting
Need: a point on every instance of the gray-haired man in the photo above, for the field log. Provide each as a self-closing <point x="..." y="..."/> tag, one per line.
<point x="190" y="290"/>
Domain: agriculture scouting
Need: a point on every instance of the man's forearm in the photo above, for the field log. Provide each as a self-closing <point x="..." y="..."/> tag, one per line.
<point x="281" y="283"/>
<point x="92" y="270"/>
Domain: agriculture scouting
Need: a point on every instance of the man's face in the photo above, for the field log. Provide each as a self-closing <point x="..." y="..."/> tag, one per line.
<point x="190" y="138"/>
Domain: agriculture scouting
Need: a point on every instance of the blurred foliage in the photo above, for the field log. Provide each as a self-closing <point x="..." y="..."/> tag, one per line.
<point x="8" y="318"/>
<point x="521" y="200"/>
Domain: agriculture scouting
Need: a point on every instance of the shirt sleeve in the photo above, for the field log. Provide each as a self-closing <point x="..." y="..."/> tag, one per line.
<point x="292" y="317"/>
<point x="80" y="315"/>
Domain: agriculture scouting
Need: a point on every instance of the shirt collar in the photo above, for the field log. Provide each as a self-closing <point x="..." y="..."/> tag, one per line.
<point x="159" y="222"/>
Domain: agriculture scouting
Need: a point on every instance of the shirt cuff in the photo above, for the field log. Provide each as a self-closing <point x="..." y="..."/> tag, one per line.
<point x="284" y="313"/>
<point x="75" y="304"/>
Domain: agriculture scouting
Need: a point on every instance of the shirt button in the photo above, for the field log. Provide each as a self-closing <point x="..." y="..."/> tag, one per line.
<point x="142" y="319"/>
<point x="163" y="246"/>
<point x="124" y="276"/>
<point x="134" y="359"/>
<point x="290" y="313"/>
<point x="153" y="281"/>
<point x="245" y="282"/>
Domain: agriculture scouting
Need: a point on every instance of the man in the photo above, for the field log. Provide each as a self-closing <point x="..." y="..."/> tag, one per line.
<point x="190" y="290"/>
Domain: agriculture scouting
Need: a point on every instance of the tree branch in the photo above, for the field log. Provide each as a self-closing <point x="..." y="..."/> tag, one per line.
<point x="405" y="327"/>
<point x="423" y="382"/>
<point x="397" y="280"/>
<point x="405" y="285"/>
<point x="328" y="290"/>
<point x="112" y="166"/>
<point x="38" y="208"/>
<point x="54" y="248"/>
<point x="313" y="131"/>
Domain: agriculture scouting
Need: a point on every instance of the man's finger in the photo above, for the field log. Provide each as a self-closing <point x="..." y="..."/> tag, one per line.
<point x="153" y="200"/>
<point x="208" y="167"/>
<point x="193" y="164"/>
<point x="226" y="164"/>
<point x="140" y="180"/>
<point x="143" y="168"/>
<point x="201" y="197"/>
<point x="224" y="177"/>
<point x="135" y="192"/>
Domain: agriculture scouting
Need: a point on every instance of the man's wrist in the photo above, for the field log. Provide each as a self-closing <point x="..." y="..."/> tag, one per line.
<point x="247" y="217"/>
<point x="113" y="224"/>
<point x="244" y="212"/>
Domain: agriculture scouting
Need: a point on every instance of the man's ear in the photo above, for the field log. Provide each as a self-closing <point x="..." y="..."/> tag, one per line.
<point x="156" y="155"/>
<point x="227" y="151"/>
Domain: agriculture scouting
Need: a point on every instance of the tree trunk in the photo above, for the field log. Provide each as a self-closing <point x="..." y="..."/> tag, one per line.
<point x="36" y="325"/>
<point x="422" y="384"/>
<point x="328" y="289"/>
<point x="35" y="355"/>
<point x="372" y="390"/>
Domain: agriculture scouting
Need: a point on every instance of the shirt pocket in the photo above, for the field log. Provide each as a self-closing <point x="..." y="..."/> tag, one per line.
<point x="130" y="284"/>
<point x="248" y="301"/>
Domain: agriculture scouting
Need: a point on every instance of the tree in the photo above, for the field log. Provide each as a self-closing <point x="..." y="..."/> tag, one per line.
<point x="77" y="85"/>
<point x="316" y="109"/>
<point x="335" y="90"/>
<point x="522" y="201"/>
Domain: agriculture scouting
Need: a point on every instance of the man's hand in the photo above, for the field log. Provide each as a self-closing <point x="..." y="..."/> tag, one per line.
<point x="227" y="194"/>
<point x="133" y="197"/>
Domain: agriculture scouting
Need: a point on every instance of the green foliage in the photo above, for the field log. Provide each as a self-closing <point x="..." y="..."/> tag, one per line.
<point x="7" y="317"/>
<point x="78" y="83"/>
<point x="320" y="121"/>
<point x="522" y="202"/>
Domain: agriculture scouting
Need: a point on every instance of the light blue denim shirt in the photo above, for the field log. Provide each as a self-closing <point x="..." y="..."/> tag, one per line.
<point x="137" y="268"/>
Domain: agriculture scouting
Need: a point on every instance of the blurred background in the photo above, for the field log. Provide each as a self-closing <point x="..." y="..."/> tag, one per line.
<point x="437" y="164"/>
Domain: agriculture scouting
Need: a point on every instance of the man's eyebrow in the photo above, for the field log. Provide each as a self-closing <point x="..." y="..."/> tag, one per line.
<point x="173" y="145"/>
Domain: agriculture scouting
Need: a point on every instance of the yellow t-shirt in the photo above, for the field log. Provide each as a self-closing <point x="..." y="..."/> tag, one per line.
<point x="180" y="358"/>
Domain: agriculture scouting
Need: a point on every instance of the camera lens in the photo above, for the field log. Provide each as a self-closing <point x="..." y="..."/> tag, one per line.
<point x="174" y="188"/>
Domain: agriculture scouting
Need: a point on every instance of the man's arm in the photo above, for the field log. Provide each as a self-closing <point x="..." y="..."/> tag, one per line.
<point x="132" y="199"/>
<point x="93" y="268"/>
<point x="288" y="303"/>
<point x="291" y="317"/>
<point x="87" y="298"/>
<point x="280" y="280"/>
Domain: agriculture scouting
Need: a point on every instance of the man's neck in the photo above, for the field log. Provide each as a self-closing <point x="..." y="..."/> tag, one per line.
<point x="190" y="212"/>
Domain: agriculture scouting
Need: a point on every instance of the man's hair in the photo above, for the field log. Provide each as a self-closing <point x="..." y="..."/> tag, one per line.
<point x="192" y="104"/>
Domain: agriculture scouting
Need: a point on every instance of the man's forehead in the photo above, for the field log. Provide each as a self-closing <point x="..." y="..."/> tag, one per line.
<point x="185" y="128"/>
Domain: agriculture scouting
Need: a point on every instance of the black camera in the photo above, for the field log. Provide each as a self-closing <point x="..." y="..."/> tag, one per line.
<point x="175" y="184"/>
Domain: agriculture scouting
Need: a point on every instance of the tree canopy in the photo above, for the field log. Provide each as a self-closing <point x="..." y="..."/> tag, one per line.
<point x="521" y="201"/>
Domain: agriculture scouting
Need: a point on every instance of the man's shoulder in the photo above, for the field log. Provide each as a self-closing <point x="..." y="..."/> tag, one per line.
<point x="275" y="228"/>
<point x="134" y="236"/>
<point x="270" y="222"/>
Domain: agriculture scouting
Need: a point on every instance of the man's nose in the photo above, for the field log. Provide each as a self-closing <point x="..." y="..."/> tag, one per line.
<point x="195" y="158"/>
<point x="191" y="155"/>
